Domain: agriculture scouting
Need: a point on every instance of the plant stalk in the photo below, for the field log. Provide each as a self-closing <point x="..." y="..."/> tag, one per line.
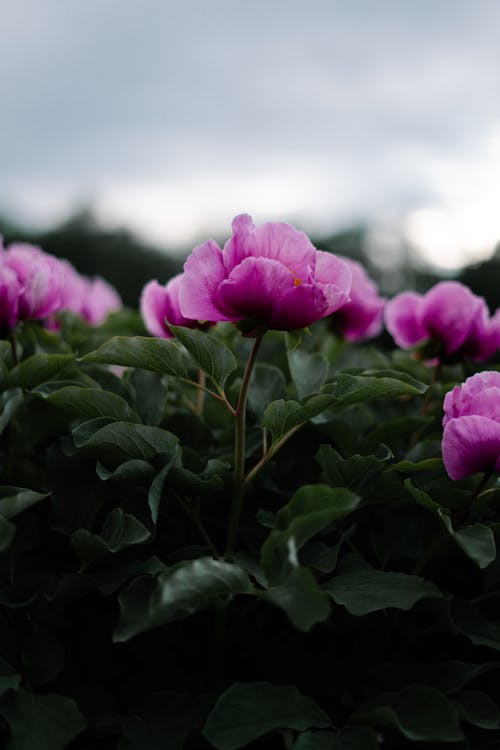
<point x="239" y="448"/>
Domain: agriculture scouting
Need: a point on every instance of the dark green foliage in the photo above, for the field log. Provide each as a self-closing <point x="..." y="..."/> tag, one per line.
<point x="357" y="609"/>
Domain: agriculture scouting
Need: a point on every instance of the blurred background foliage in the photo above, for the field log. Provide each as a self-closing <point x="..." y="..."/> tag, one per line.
<point x="128" y="262"/>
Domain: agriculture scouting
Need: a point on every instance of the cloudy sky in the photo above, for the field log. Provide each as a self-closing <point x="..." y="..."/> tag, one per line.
<point x="173" y="117"/>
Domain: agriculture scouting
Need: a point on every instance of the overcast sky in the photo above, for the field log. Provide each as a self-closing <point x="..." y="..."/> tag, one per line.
<point x="173" y="117"/>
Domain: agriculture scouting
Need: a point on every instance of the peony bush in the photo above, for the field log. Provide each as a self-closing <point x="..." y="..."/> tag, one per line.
<point x="236" y="518"/>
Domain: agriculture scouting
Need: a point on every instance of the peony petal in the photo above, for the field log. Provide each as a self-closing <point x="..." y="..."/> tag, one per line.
<point x="9" y="296"/>
<point x="235" y="249"/>
<point x="274" y="240"/>
<point x="402" y="319"/>
<point x="100" y="300"/>
<point x="203" y="273"/>
<point x="466" y="399"/>
<point x="254" y="288"/>
<point x="448" y="312"/>
<point x="301" y="306"/>
<point x="331" y="269"/>
<point x="483" y="339"/>
<point x="361" y="317"/>
<point x="470" y="444"/>
<point x="154" y="307"/>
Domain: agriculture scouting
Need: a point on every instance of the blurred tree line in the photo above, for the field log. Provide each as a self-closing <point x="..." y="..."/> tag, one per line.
<point x="128" y="263"/>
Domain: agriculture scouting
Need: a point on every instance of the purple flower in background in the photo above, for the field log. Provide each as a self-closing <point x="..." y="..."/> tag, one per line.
<point x="160" y="304"/>
<point x="471" y="438"/>
<point x="361" y="318"/>
<point x="271" y="275"/>
<point x="450" y="316"/>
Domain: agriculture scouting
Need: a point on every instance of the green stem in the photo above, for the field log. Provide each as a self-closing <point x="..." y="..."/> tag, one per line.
<point x="239" y="448"/>
<point x="428" y="396"/>
<point x="13" y="344"/>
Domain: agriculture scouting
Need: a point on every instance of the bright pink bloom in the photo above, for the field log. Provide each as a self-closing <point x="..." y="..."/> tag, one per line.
<point x="269" y="274"/>
<point x="471" y="439"/>
<point x="160" y="304"/>
<point x="450" y="316"/>
<point x="361" y="318"/>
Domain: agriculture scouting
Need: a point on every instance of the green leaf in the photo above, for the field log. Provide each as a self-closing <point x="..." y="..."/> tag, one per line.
<point x="320" y="556"/>
<point x="120" y="530"/>
<point x="311" y="509"/>
<point x="133" y="472"/>
<point x="267" y="384"/>
<point x="7" y="532"/>
<point x="40" y="722"/>
<point x="157" y="485"/>
<point x="478" y="709"/>
<point x="308" y="371"/>
<point x="210" y="354"/>
<point x="372" y="385"/>
<point x="300" y="597"/>
<point x="428" y="464"/>
<point x="9" y="678"/>
<point x="283" y="418"/>
<point x="177" y="593"/>
<point x="120" y="441"/>
<point x="247" y="711"/>
<point x="10" y="401"/>
<point x="476" y="540"/>
<point x="14" y="500"/>
<point x="365" y="591"/>
<point x="351" y="472"/>
<point x="420" y="713"/>
<point x="92" y="403"/>
<point x="347" y="738"/>
<point x="158" y="355"/>
<point x="476" y="626"/>
<point x="210" y="480"/>
<point x="37" y="369"/>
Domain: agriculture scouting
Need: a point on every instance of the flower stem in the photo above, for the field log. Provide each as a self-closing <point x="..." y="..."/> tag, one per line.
<point x="430" y="393"/>
<point x="13" y="344"/>
<point x="239" y="448"/>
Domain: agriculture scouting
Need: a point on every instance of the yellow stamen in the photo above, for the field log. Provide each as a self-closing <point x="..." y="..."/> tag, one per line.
<point x="297" y="282"/>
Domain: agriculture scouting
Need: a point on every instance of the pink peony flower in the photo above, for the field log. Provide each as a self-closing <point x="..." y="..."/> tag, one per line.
<point x="99" y="299"/>
<point x="450" y="316"/>
<point x="39" y="280"/>
<point x="9" y="297"/>
<point x="160" y="304"/>
<point x="471" y="438"/>
<point x="361" y="318"/>
<point x="271" y="275"/>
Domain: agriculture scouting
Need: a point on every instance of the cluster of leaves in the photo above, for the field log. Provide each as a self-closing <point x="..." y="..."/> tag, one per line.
<point x="357" y="608"/>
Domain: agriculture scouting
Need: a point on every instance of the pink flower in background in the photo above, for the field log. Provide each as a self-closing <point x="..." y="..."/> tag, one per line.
<point x="99" y="299"/>
<point x="471" y="438"/>
<point x="361" y="317"/>
<point x="9" y="297"/>
<point x="270" y="274"/>
<point x="160" y="304"/>
<point x="36" y="285"/>
<point x="450" y="316"/>
<point x="39" y="280"/>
